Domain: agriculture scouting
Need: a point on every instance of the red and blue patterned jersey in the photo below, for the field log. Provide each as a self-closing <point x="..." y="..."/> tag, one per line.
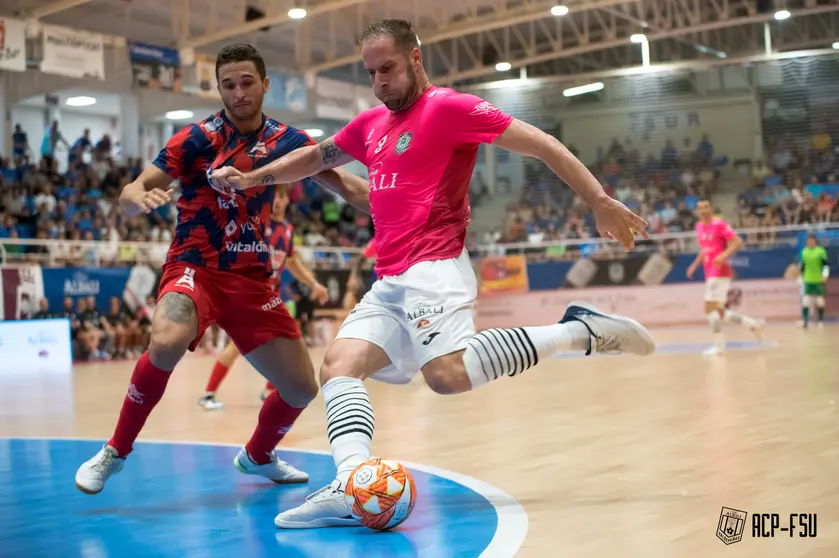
<point x="280" y="238"/>
<point x="220" y="228"/>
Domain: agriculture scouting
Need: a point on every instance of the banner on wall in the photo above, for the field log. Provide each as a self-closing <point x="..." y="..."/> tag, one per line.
<point x="663" y="305"/>
<point x="22" y="289"/>
<point x="205" y="77"/>
<point x="73" y="53"/>
<point x="507" y="274"/>
<point x="155" y="67"/>
<point x="287" y="92"/>
<point x="335" y="99"/>
<point x="101" y="283"/>
<point x="12" y="45"/>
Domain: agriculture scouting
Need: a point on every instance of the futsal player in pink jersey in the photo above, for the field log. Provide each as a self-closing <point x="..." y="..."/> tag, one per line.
<point x="717" y="243"/>
<point x="420" y="148"/>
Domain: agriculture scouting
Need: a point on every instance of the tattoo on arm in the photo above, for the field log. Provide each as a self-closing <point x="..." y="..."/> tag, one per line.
<point x="331" y="152"/>
<point x="268" y="180"/>
<point x="178" y="308"/>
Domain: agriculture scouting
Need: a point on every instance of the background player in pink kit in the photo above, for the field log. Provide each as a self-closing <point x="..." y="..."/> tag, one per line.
<point x="279" y="234"/>
<point x="420" y="148"/>
<point x="217" y="270"/>
<point x="717" y="243"/>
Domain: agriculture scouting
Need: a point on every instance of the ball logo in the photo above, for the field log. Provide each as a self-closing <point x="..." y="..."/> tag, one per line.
<point x="363" y="476"/>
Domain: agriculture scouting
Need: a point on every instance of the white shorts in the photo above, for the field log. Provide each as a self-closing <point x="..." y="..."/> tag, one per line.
<point x="716" y="289"/>
<point x="417" y="316"/>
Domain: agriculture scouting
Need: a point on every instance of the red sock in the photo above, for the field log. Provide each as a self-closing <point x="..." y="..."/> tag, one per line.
<point x="269" y="386"/>
<point x="147" y="386"/>
<point x="275" y="420"/>
<point x="219" y="372"/>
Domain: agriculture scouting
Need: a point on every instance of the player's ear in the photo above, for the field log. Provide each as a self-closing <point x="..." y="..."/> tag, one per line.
<point x="416" y="57"/>
<point x="266" y="84"/>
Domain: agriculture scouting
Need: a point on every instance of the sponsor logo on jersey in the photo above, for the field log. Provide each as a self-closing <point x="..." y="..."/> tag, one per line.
<point x="246" y="246"/>
<point x="404" y="142"/>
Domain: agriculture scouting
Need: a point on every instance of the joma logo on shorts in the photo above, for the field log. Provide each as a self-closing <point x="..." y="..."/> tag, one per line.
<point x="246" y="247"/>
<point x="273" y="304"/>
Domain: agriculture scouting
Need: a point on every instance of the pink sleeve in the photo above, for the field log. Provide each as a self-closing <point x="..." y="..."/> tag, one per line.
<point x="350" y="138"/>
<point x="472" y="120"/>
<point x="370" y="250"/>
<point x="726" y="231"/>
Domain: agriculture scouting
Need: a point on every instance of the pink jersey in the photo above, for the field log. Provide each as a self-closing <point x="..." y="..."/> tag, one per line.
<point x="420" y="162"/>
<point x="713" y="240"/>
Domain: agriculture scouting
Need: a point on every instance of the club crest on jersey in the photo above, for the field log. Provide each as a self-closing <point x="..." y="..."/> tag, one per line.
<point x="403" y="143"/>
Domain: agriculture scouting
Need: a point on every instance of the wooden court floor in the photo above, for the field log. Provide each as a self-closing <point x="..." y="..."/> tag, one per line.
<point x="609" y="456"/>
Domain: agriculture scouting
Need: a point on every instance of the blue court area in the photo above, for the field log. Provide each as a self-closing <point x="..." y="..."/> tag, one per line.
<point x="184" y="500"/>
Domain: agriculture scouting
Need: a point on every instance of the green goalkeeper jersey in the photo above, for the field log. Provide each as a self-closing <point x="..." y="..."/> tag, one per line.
<point x="812" y="262"/>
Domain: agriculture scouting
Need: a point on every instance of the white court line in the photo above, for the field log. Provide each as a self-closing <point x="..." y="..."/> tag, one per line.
<point x="512" y="518"/>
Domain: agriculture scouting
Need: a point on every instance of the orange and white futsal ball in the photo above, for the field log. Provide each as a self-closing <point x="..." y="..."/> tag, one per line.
<point x="381" y="493"/>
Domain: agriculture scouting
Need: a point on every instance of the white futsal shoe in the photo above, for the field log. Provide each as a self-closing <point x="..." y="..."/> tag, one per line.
<point x="208" y="402"/>
<point x="714" y="350"/>
<point x="610" y="333"/>
<point x="325" y="508"/>
<point x="276" y="470"/>
<point x="94" y="473"/>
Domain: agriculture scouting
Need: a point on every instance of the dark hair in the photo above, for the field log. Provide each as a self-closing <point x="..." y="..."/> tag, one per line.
<point x="400" y="30"/>
<point x="240" y="52"/>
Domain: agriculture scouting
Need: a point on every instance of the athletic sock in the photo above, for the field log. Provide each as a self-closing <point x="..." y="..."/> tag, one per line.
<point x="349" y="424"/>
<point x="733" y="317"/>
<point x="218" y="374"/>
<point x="494" y="353"/>
<point x="820" y="313"/>
<point x="148" y="383"/>
<point x="805" y="313"/>
<point x="276" y="418"/>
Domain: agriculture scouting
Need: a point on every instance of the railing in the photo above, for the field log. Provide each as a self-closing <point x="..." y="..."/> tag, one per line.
<point x="109" y="253"/>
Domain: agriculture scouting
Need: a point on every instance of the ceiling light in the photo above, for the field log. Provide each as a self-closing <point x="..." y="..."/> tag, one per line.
<point x="297" y="13"/>
<point x="782" y="14"/>
<point x="179" y="114"/>
<point x="503" y="66"/>
<point x="314" y="132"/>
<point x="583" y="89"/>
<point x="836" y="45"/>
<point x="559" y="10"/>
<point x="82" y="101"/>
<point x="638" y="38"/>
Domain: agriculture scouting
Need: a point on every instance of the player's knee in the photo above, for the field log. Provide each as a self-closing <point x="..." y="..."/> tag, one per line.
<point x="447" y="375"/>
<point x="820" y="301"/>
<point x="169" y="341"/>
<point x="337" y="365"/>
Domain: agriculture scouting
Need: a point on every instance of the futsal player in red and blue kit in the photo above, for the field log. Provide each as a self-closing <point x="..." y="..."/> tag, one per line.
<point x="279" y="234"/>
<point x="218" y="269"/>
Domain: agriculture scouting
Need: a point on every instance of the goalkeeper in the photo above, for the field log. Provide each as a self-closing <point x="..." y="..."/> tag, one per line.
<point x="814" y="274"/>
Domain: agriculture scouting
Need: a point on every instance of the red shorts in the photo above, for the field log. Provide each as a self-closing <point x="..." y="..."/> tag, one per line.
<point x="249" y="310"/>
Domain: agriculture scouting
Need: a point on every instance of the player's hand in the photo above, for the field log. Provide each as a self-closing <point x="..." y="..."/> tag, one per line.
<point x="719" y="261"/>
<point x="691" y="271"/>
<point x="227" y="178"/>
<point x="320" y="294"/>
<point x="614" y="220"/>
<point x="153" y="199"/>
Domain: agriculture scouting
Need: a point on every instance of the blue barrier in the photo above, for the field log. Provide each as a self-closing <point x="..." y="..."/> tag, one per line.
<point x="747" y="264"/>
<point x="103" y="283"/>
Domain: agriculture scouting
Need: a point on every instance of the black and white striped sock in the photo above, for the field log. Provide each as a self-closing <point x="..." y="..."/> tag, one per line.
<point x="494" y="353"/>
<point x="349" y="424"/>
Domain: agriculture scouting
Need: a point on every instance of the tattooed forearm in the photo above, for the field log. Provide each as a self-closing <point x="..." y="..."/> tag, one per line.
<point x="268" y="180"/>
<point x="331" y="152"/>
<point x="178" y="308"/>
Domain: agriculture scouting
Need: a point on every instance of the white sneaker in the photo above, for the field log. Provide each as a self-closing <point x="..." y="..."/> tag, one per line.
<point x="209" y="403"/>
<point x="275" y="470"/>
<point x="610" y="333"/>
<point x="714" y="350"/>
<point x="94" y="473"/>
<point x="325" y="508"/>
